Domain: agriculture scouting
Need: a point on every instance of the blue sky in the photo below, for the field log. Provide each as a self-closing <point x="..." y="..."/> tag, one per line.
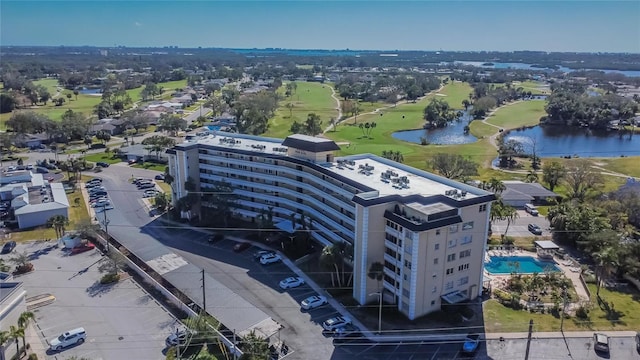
<point x="612" y="26"/>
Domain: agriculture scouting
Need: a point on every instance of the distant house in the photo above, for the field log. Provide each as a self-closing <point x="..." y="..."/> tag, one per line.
<point x="112" y="126"/>
<point x="518" y="193"/>
<point x="140" y="152"/>
<point x="31" y="140"/>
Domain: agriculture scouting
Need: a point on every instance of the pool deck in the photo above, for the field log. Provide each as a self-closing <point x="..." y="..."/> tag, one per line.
<point x="568" y="267"/>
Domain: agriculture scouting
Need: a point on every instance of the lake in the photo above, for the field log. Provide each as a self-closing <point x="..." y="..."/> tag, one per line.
<point x="521" y="66"/>
<point x="558" y="141"/>
<point x="453" y="134"/>
<point x="87" y="91"/>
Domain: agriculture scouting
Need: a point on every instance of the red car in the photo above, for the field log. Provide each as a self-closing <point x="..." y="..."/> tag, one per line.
<point x="82" y="248"/>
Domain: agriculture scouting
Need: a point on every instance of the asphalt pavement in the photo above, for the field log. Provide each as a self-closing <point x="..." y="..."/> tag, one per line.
<point x="518" y="228"/>
<point x="122" y="321"/>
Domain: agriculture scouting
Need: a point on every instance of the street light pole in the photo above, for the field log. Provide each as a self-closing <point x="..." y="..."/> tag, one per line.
<point x="564" y="304"/>
<point x="106" y="222"/>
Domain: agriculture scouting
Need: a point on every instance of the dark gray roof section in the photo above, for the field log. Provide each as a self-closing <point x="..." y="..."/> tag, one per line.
<point x="425" y="200"/>
<point x="532" y="189"/>
<point x="514" y="195"/>
<point x="310" y="143"/>
<point x="402" y="221"/>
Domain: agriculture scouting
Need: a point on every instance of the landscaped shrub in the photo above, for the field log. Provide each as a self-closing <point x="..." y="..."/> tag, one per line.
<point x="109" y="278"/>
<point x="582" y="312"/>
<point x="502" y="296"/>
<point x="33" y="357"/>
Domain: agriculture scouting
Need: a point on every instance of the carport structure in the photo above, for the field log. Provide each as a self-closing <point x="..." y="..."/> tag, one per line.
<point x="546" y="248"/>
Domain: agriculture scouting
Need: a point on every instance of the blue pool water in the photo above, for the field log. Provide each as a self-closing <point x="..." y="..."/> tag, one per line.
<point x="528" y="265"/>
<point x="213" y="127"/>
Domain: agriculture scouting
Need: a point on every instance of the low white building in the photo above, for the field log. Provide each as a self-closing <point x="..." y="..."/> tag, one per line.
<point x="12" y="304"/>
<point x="38" y="206"/>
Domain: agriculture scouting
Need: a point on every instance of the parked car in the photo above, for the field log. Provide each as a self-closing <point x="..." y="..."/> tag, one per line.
<point x="215" y="238"/>
<point x="132" y="161"/>
<point x="159" y="177"/>
<point x="146" y="186"/>
<point x="291" y="282"/>
<point x="98" y="199"/>
<point x="100" y="209"/>
<point x="71" y="337"/>
<point x="638" y="341"/>
<point x="313" y="302"/>
<point x="270" y="259"/>
<point x="82" y="248"/>
<point x="335" y="322"/>
<point x="471" y="344"/>
<point x="258" y="254"/>
<point x="42" y="170"/>
<point x="101" y="203"/>
<point x="139" y="180"/>
<point x="534" y="229"/>
<point x="98" y="194"/>
<point x="29" y="166"/>
<point x="96" y="189"/>
<point x="180" y="337"/>
<point x="241" y="246"/>
<point x="149" y="193"/>
<point x="102" y="164"/>
<point x="8" y="247"/>
<point x="601" y="342"/>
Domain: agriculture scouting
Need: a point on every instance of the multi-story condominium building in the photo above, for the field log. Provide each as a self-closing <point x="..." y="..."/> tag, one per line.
<point x="428" y="231"/>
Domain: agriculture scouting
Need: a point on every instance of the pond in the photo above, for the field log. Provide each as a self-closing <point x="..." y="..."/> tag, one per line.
<point x="453" y="134"/>
<point x="559" y="141"/>
<point x="521" y="66"/>
<point x="92" y="91"/>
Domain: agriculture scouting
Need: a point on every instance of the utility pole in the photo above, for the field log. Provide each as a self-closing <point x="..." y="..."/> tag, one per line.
<point x="204" y="295"/>
<point x="564" y="304"/>
<point x="105" y="222"/>
<point x="526" y="355"/>
<point x="235" y="352"/>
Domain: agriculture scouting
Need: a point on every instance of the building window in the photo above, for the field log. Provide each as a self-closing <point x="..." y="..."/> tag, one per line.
<point x="435" y="261"/>
<point x="465" y="253"/>
<point x="448" y="285"/>
<point x="467" y="225"/>
<point x="438" y="232"/>
<point x="466" y="240"/>
<point x="453" y="243"/>
<point x="453" y="228"/>
<point x="405" y="293"/>
<point x="437" y="247"/>
<point x="407" y="264"/>
<point x="463" y="280"/>
<point x="407" y="277"/>
<point x="463" y="267"/>
<point x="483" y="208"/>
<point x="433" y="302"/>
<point x="449" y="271"/>
<point x="451" y="257"/>
<point x="435" y="288"/>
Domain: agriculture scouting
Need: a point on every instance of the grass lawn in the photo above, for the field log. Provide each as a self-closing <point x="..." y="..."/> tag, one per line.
<point x="456" y="92"/>
<point x="481" y="130"/>
<point x="150" y="166"/>
<point x="499" y="318"/>
<point x="626" y="165"/>
<point x="166" y="188"/>
<point x="103" y="157"/>
<point x="49" y="83"/>
<point x="310" y="97"/>
<point x="536" y="87"/>
<point x="523" y="113"/>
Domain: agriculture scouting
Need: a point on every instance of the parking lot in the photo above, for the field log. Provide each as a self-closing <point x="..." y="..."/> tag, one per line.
<point x="518" y="228"/>
<point x="122" y="321"/>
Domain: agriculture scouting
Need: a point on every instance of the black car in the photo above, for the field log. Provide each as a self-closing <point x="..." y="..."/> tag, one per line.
<point x="8" y="247"/>
<point x="638" y="342"/>
<point x="534" y="229"/>
<point x="215" y="238"/>
<point x="241" y="246"/>
<point x="159" y="177"/>
<point x="102" y="164"/>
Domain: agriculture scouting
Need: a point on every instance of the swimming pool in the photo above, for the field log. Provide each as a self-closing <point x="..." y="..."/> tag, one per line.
<point x="213" y="127"/>
<point x="525" y="265"/>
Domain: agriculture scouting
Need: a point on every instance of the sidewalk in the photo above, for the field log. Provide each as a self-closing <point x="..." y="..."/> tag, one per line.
<point x="38" y="347"/>
<point x="556" y="335"/>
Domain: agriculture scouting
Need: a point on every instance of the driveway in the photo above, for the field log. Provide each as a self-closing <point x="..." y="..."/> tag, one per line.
<point x="518" y="228"/>
<point x="122" y="321"/>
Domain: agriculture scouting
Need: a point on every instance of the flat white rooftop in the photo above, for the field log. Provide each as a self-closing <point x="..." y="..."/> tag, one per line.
<point x="366" y="169"/>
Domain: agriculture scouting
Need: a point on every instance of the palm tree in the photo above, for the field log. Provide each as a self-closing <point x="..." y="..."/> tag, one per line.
<point x="606" y="259"/>
<point x="510" y="214"/>
<point x="4" y="337"/>
<point x="23" y="321"/>
<point x="329" y="258"/>
<point x="496" y="185"/>
<point x="22" y="262"/>
<point x="58" y="222"/>
<point x="531" y="177"/>
<point x="16" y="333"/>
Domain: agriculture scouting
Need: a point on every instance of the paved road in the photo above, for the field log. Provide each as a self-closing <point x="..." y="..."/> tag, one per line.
<point x="197" y="113"/>
<point x="122" y="321"/>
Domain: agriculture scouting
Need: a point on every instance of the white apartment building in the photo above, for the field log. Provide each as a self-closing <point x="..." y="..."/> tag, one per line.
<point x="428" y="231"/>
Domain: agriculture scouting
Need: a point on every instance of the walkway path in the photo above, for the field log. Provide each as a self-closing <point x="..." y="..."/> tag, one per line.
<point x="375" y="111"/>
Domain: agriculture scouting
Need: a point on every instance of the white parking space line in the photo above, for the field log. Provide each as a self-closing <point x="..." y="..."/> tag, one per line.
<point x="435" y="353"/>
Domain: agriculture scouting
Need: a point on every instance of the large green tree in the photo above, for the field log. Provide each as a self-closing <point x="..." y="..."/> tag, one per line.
<point x="453" y="166"/>
<point x="438" y="113"/>
<point x="158" y="143"/>
<point x="552" y="173"/>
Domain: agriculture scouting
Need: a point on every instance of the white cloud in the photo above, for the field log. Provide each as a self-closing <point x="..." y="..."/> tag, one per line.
<point x="138" y="24"/>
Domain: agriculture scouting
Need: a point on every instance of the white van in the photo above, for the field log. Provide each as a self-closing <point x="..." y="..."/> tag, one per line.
<point x="71" y="337"/>
<point x="531" y="209"/>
